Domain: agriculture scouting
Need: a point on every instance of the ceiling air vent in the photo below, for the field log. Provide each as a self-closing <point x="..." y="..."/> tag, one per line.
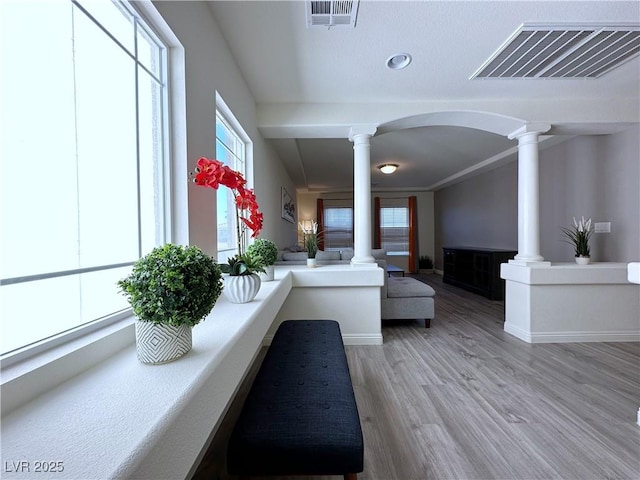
<point x="562" y="51"/>
<point x="333" y="13"/>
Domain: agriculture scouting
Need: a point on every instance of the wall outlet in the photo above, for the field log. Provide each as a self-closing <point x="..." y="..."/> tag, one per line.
<point x="602" y="227"/>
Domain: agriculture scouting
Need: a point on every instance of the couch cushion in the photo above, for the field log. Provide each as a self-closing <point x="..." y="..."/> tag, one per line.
<point x="379" y="253"/>
<point x="402" y="287"/>
<point x="321" y="255"/>
<point x="294" y="256"/>
<point x="346" y="254"/>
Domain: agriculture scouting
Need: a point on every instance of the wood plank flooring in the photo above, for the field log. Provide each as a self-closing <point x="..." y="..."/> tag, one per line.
<point x="465" y="400"/>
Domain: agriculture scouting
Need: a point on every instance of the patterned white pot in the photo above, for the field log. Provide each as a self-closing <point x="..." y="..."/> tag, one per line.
<point x="583" y="260"/>
<point x="268" y="275"/>
<point x="159" y="343"/>
<point x="241" y="288"/>
<point x="312" y="263"/>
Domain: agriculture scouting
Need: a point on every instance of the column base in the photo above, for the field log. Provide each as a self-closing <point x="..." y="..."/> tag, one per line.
<point x="523" y="262"/>
<point x="367" y="261"/>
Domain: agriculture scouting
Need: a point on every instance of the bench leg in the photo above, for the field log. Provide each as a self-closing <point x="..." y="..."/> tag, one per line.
<point x="350" y="476"/>
<point x="427" y="323"/>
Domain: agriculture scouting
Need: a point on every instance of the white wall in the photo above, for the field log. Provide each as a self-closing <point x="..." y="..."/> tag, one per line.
<point x="210" y="67"/>
<point x="594" y="176"/>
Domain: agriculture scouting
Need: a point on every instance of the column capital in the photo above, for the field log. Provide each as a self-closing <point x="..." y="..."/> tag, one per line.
<point x="529" y="128"/>
<point x="368" y="130"/>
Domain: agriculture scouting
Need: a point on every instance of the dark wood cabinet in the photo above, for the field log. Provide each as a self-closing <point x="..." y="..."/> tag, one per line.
<point x="476" y="269"/>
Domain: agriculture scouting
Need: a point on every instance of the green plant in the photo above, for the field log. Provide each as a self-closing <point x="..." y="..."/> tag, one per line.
<point x="425" y="262"/>
<point x="310" y="236"/>
<point x="244" y="264"/>
<point x="578" y="236"/>
<point x="264" y="248"/>
<point x="174" y="285"/>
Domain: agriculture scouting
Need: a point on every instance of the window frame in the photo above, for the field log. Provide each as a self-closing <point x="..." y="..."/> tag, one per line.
<point x="114" y="331"/>
<point x="231" y="122"/>
<point x="327" y="230"/>
<point x="398" y="253"/>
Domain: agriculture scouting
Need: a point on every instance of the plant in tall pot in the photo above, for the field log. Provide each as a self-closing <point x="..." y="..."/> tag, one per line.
<point x="268" y="251"/>
<point x="310" y="240"/>
<point x="171" y="289"/>
<point x="243" y="283"/>
<point x="578" y="235"/>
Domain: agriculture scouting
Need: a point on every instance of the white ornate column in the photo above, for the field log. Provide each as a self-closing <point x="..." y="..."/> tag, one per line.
<point x="361" y="136"/>
<point x="528" y="193"/>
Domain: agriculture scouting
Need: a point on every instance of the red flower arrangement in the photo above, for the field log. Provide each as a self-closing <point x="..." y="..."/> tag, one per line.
<point x="213" y="173"/>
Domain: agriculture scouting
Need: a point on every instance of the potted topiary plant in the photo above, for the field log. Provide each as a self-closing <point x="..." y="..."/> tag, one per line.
<point x="242" y="283"/>
<point x="268" y="251"/>
<point x="171" y="289"/>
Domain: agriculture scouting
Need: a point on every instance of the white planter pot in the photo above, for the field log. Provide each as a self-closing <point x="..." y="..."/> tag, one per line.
<point x="268" y="275"/>
<point x="311" y="262"/>
<point x="241" y="288"/>
<point x="583" y="260"/>
<point x="159" y="343"/>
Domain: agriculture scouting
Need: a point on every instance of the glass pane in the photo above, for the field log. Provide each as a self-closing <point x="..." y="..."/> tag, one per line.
<point x="107" y="165"/>
<point x="150" y="100"/>
<point x="149" y="52"/>
<point x="115" y="18"/>
<point x="55" y="308"/>
<point x="38" y="169"/>
<point x="99" y="294"/>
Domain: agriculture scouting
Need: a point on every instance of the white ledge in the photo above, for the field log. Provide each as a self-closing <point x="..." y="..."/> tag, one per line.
<point x="123" y="419"/>
<point x="566" y="273"/>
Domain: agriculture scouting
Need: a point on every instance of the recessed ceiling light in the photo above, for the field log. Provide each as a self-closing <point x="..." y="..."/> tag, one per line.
<point x="388" y="168"/>
<point x="398" y="61"/>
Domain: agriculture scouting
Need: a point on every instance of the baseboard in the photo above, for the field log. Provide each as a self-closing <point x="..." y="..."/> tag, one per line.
<point x="580" y="337"/>
<point x="347" y="339"/>
<point x="571" y="337"/>
<point x="518" y="332"/>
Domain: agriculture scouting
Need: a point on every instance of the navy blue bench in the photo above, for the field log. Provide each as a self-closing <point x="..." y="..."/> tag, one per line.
<point x="300" y="416"/>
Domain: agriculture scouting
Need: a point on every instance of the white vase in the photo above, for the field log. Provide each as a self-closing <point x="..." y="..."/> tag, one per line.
<point x="241" y="288"/>
<point x="311" y="263"/>
<point x="160" y="343"/>
<point x="268" y="275"/>
<point x="583" y="260"/>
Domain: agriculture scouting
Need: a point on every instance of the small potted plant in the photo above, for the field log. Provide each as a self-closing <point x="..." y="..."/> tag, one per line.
<point x="171" y="289"/>
<point x="268" y="251"/>
<point x="242" y="283"/>
<point x="578" y="236"/>
<point x="310" y="242"/>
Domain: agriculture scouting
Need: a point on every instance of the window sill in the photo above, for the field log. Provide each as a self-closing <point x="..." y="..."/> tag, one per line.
<point x="104" y="421"/>
<point x="123" y="419"/>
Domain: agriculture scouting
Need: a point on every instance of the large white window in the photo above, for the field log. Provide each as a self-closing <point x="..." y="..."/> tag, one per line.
<point x="82" y="161"/>
<point x="394" y="230"/>
<point x="231" y="149"/>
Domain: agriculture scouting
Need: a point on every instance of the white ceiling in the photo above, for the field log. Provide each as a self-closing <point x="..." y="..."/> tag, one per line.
<point x="311" y="84"/>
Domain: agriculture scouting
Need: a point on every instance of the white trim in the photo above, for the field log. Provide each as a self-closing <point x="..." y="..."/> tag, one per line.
<point x="579" y="337"/>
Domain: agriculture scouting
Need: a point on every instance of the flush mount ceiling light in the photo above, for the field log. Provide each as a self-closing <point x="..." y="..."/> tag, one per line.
<point x="398" y="61"/>
<point x="388" y="168"/>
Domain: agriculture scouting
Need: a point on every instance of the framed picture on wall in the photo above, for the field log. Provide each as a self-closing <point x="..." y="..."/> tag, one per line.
<point x="288" y="206"/>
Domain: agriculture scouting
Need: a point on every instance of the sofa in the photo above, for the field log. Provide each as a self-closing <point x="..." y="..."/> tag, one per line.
<point x="287" y="257"/>
<point x="402" y="298"/>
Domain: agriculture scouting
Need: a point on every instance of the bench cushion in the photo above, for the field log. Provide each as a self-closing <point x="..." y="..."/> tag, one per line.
<point x="300" y="416"/>
<point x="406" y="287"/>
